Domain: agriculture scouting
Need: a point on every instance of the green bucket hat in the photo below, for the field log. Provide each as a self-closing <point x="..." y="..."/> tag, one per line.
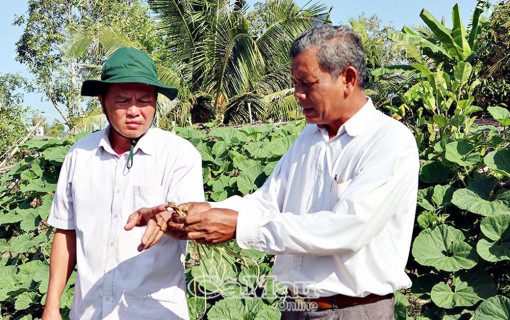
<point x="127" y="65"/>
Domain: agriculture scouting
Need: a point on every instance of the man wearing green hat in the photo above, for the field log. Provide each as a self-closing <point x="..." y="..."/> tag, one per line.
<point x="104" y="178"/>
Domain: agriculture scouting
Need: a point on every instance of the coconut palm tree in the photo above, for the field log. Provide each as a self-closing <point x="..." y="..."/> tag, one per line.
<point x="227" y="70"/>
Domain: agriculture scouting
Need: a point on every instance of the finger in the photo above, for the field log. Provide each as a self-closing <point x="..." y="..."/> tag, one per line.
<point x="148" y="213"/>
<point x="160" y="221"/>
<point x="191" y="218"/>
<point x="159" y="235"/>
<point x="174" y="216"/>
<point x="197" y="236"/>
<point x="133" y="221"/>
<point x="152" y="237"/>
<point x="197" y="207"/>
<point x="172" y="226"/>
<point x="151" y="229"/>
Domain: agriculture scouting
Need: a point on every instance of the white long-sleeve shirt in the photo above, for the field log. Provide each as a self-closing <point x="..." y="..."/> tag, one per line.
<point x="95" y="195"/>
<point x="339" y="212"/>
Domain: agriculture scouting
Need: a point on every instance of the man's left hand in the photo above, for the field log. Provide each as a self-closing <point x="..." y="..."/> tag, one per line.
<point x="155" y="219"/>
<point x="210" y="227"/>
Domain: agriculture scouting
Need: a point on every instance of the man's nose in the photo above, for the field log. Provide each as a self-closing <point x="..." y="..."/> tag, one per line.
<point x="299" y="94"/>
<point x="133" y="109"/>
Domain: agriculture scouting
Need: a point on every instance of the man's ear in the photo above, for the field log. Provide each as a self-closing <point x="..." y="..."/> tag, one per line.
<point x="101" y="102"/>
<point x="351" y="79"/>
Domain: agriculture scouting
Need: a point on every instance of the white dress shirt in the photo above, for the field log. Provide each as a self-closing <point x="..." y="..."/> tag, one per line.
<point x="95" y="195"/>
<point x="339" y="212"/>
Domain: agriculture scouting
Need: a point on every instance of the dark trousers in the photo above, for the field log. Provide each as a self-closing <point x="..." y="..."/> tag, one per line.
<point x="380" y="310"/>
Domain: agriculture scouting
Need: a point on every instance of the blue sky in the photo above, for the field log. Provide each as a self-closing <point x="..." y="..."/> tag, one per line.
<point x="392" y="12"/>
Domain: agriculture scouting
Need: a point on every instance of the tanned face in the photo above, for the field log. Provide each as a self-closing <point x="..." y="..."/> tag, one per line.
<point x="320" y="95"/>
<point x="130" y="108"/>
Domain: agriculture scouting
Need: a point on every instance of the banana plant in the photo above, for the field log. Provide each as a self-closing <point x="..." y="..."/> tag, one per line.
<point x="444" y="45"/>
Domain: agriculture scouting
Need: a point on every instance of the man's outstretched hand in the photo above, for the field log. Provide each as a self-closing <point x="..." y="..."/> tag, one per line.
<point x="207" y="227"/>
<point x="155" y="219"/>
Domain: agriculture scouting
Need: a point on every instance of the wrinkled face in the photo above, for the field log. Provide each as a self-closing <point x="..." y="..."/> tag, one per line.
<point x="130" y="108"/>
<point x="320" y="96"/>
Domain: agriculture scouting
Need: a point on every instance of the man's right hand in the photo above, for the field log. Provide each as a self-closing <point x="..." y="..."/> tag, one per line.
<point x="177" y="229"/>
<point x="51" y="314"/>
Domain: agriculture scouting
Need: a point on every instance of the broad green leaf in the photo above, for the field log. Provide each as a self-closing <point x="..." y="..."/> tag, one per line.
<point x="42" y="144"/>
<point x="473" y="201"/>
<point x="496" y="227"/>
<point x="460" y="35"/>
<point x="435" y="198"/>
<point x="462" y="152"/>
<point x="219" y="148"/>
<point x="268" y="314"/>
<point x="219" y="196"/>
<point x="246" y="181"/>
<point x="43" y="285"/>
<point x="454" y="314"/>
<point x="499" y="161"/>
<point x="246" y="164"/>
<point x="33" y="270"/>
<point x="190" y="133"/>
<point x="502" y="115"/>
<point x="38" y="185"/>
<point x="401" y="304"/>
<point x="442" y="195"/>
<point x="249" y="277"/>
<point x="10" y="217"/>
<point x="28" y="175"/>
<point x="205" y="152"/>
<point x="6" y="286"/>
<point x="433" y="171"/>
<point x="4" y="247"/>
<point x="197" y="307"/>
<point x="24" y="300"/>
<point x="56" y="154"/>
<point x="410" y="38"/>
<point x="23" y="243"/>
<point x="496" y="246"/>
<point x="464" y="291"/>
<point x="235" y="309"/>
<point x="440" y="120"/>
<point x="269" y="168"/>
<point x="441" y="32"/>
<point x="44" y="209"/>
<point x="494" y="308"/>
<point x="30" y="221"/>
<point x="229" y="135"/>
<point x="431" y="219"/>
<point x="443" y="248"/>
<point x="38" y="167"/>
<point x="276" y="148"/>
<point x="462" y="73"/>
<point x="253" y="256"/>
<point x="423" y="284"/>
<point x="214" y="270"/>
<point x="20" y="244"/>
<point x="221" y="183"/>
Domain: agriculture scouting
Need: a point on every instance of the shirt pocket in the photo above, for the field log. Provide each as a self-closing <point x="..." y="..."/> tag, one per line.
<point x="147" y="196"/>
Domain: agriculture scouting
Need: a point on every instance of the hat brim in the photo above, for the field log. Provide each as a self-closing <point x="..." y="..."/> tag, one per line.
<point x="94" y="88"/>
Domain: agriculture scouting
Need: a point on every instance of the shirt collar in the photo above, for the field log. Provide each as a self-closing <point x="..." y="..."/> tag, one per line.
<point x="146" y="144"/>
<point x="357" y="123"/>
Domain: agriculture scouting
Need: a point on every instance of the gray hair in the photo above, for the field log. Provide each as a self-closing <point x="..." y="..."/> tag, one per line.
<point x="338" y="48"/>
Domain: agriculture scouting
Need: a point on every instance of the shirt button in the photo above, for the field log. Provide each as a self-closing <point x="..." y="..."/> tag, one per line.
<point x="116" y="216"/>
<point x="112" y="244"/>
